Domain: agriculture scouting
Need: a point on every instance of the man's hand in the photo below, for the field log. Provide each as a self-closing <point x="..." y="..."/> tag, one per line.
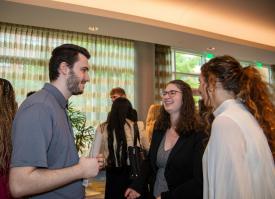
<point x="88" y="166"/>
<point x="131" y="194"/>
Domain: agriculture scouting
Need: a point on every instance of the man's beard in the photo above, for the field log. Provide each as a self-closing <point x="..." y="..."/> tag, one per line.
<point x="73" y="83"/>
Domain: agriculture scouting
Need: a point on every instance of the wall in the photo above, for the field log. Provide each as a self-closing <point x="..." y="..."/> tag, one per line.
<point x="144" y="77"/>
<point x="65" y="20"/>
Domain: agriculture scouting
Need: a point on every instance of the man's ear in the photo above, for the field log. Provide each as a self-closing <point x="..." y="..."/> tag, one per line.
<point x="63" y="68"/>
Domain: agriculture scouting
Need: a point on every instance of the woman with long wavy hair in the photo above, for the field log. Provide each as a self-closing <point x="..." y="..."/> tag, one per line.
<point x="8" y="107"/>
<point x="174" y="166"/>
<point x="117" y="133"/>
<point x="238" y="161"/>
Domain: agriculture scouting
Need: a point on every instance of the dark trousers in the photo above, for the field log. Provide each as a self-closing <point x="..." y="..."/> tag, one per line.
<point x="117" y="181"/>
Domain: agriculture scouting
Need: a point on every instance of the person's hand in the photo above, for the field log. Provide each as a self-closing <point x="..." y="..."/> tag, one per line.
<point x="89" y="167"/>
<point x="158" y="197"/>
<point x="101" y="161"/>
<point x="131" y="194"/>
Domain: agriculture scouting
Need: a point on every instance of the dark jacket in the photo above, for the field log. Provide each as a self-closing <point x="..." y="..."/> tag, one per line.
<point x="183" y="170"/>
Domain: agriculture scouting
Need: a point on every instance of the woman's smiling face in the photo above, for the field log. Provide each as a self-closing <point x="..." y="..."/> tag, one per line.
<point x="172" y="98"/>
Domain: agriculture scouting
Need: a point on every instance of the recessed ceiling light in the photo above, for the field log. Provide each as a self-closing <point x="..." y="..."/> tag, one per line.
<point x="93" y="28"/>
<point x="210" y="48"/>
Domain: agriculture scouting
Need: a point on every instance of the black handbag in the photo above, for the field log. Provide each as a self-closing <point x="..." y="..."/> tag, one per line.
<point x="136" y="155"/>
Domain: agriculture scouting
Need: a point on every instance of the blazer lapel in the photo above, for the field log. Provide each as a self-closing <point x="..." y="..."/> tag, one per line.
<point x="180" y="142"/>
<point x="155" y="146"/>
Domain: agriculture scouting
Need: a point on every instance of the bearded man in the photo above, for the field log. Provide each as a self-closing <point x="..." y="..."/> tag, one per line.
<point x="45" y="162"/>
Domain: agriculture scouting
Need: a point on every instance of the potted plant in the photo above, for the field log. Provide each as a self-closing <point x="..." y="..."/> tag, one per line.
<point x="83" y="134"/>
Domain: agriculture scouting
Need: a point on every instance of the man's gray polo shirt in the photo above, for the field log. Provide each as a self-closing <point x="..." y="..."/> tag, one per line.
<point x="42" y="137"/>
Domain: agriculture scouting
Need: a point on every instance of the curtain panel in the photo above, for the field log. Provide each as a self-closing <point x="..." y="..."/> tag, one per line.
<point x="163" y="69"/>
<point x="26" y="50"/>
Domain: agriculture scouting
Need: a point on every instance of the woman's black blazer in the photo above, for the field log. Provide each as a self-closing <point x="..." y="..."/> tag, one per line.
<point x="183" y="170"/>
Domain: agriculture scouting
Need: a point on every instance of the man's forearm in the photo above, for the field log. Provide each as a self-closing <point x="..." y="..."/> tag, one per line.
<point x="29" y="180"/>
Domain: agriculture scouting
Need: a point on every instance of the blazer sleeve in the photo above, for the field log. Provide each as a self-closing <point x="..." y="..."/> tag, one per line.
<point x="192" y="188"/>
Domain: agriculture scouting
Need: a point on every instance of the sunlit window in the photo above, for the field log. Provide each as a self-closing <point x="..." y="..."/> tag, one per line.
<point x="187" y="68"/>
<point x="25" y="52"/>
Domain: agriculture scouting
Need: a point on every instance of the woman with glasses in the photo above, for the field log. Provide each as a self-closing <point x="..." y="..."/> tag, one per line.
<point x="174" y="166"/>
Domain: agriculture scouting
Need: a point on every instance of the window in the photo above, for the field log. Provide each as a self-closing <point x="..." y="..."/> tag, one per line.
<point x="187" y="68"/>
<point x="25" y="52"/>
<point x="264" y="69"/>
<point x="265" y="72"/>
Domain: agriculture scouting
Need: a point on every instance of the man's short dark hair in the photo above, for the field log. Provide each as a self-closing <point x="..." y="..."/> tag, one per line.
<point x="117" y="90"/>
<point x="65" y="53"/>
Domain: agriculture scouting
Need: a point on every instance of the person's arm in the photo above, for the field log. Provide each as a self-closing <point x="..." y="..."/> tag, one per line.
<point x="31" y="136"/>
<point x="98" y="148"/>
<point x="192" y="187"/>
<point x="143" y="138"/>
<point x="25" y="181"/>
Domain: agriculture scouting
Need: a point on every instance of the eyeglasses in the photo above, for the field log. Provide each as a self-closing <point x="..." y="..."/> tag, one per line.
<point x="170" y="93"/>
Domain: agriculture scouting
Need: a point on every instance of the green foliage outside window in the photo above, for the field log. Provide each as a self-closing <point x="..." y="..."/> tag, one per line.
<point x="187" y="63"/>
<point x="188" y="68"/>
<point x="192" y="80"/>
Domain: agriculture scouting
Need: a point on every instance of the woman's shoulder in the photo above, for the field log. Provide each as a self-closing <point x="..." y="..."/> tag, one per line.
<point x="196" y="134"/>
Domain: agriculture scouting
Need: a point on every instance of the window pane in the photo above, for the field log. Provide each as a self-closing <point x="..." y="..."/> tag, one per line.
<point x="196" y="99"/>
<point x="244" y="63"/>
<point x="188" y="63"/>
<point x="264" y="73"/>
<point x="192" y="80"/>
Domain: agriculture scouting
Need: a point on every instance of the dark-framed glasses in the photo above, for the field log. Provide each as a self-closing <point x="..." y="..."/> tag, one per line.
<point x="170" y="93"/>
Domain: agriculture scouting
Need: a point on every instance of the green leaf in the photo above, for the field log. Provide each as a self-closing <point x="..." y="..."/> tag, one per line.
<point x="83" y="134"/>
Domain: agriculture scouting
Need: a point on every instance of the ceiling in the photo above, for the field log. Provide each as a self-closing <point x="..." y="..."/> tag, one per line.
<point x="233" y="18"/>
<point x="242" y="28"/>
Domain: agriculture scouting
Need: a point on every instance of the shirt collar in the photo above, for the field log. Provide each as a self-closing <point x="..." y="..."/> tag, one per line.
<point x="57" y="94"/>
<point x="224" y="105"/>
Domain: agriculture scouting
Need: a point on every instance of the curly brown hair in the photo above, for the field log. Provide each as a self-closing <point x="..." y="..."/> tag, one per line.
<point x="188" y="119"/>
<point x="8" y="107"/>
<point x="247" y="85"/>
<point x="256" y="96"/>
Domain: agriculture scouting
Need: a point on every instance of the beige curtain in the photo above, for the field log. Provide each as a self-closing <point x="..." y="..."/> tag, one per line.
<point x="24" y="55"/>
<point x="163" y="68"/>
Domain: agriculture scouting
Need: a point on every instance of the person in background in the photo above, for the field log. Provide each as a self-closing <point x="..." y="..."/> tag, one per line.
<point x="116" y="93"/>
<point x="151" y="118"/>
<point x="238" y="162"/>
<point x="174" y="165"/>
<point x="120" y="92"/>
<point x="45" y="162"/>
<point x="117" y="134"/>
<point x="8" y="108"/>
